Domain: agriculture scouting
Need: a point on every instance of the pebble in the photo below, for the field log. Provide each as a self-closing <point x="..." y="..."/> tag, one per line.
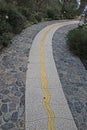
<point x="20" y="83"/>
<point x="78" y="106"/>
<point x="5" y="100"/>
<point x="4" y="108"/>
<point x="22" y="89"/>
<point x="0" y="113"/>
<point x="14" y="117"/>
<point x="12" y="107"/>
<point x="7" y="126"/>
<point x="22" y="100"/>
<point x="4" y="91"/>
<point x="7" y="117"/>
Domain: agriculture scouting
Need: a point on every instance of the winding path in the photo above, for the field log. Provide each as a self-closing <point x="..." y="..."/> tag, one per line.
<point x="46" y="104"/>
<point x="46" y="107"/>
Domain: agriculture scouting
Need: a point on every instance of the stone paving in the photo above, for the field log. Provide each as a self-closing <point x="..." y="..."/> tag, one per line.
<point x="13" y="67"/>
<point x="73" y="77"/>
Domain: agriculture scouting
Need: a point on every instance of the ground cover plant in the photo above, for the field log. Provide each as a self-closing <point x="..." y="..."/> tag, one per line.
<point x="77" y="42"/>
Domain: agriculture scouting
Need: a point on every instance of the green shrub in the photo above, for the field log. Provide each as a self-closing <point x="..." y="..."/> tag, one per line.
<point x="16" y="20"/>
<point x="10" y="15"/>
<point x="77" y="41"/>
<point x="53" y="13"/>
<point x="3" y="11"/>
<point x="38" y="16"/>
<point x="5" y="39"/>
<point x="11" y="21"/>
<point x="5" y="27"/>
<point x="69" y="11"/>
<point x="25" y="11"/>
<point x="27" y="24"/>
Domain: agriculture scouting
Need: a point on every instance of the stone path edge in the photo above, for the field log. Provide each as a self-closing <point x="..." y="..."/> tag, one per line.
<point x="73" y="77"/>
<point x="13" y="67"/>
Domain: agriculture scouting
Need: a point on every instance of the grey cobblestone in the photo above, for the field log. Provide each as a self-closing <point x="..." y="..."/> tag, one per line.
<point x="13" y="67"/>
<point x="14" y="117"/>
<point x="73" y="77"/>
<point x="12" y="107"/>
<point x="4" y="108"/>
<point x="7" y="126"/>
<point x="7" y="117"/>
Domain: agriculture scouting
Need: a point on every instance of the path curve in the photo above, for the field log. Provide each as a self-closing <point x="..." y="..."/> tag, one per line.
<point x="46" y="107"/>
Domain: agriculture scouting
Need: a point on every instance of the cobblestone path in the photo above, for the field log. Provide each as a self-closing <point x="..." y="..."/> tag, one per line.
<point x="13" y="67"/>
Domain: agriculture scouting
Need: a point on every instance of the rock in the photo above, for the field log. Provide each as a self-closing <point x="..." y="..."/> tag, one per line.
<point x="20" y="124"/>
<point x="7" y="117"/>
<point x="14" y="99"/>
<point x="6" y="100"/>
<point x="20" y="83"/>
<point x="83" y="126"/>
<point x="7" y="126"/>
<point x="22" y="89"/>
<point x="4" y="91"/>
<point x="1" y="97"/>
<point x="0" y="113"/>
<point x="1" y="121"/>
<point x="78" y="106"/>
<point x="26" y="52"/>
<point x="4" y="108"/>
<point x="21" y="111"/>
<point x="22" y="101"/>
<point x="23" y="69"/>
<point x="18" y="93"/>
<point x="86" y="103"/>
<point x="12" y="107"/>
<point x="14" y="117"/>
<point x="4" y="58"/>
<point x="14" y="90"/>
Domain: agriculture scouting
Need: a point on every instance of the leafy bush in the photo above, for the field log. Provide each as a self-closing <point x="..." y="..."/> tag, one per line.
<point x="10" y="15"/>
<point x="11" y="21"/>
<point x="38" y="16"/>
<point x="53" y="13"/>
<point x="16" y="20"/>
<point x="25" y="12"/>
<point x="77" y="41"/>
<point x="69" y="10"/>
<point x="5" y="27"/>
<point x="5" y="39"/>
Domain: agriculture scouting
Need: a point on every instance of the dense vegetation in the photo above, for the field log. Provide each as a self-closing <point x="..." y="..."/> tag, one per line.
<point x="18" y="14"/>
<point x="77" y="42"/>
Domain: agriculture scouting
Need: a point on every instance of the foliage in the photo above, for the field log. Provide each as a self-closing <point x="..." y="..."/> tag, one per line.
<point x="16" y="20"/>
<point x="5" y="39"/>
<point x="17" y="14"/>
<point x="11" y="21"/>
<point x="77" y="41"/>
<point x="5" y="27"/>
<point x="38" y="16"/>
<point x="25" y="12"/>
<point x="68" y="10"/>
<point x="53" y="13"/>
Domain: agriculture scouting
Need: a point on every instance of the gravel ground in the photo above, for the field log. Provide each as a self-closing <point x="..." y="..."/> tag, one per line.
<point x="73" y="76"/>
<point x="13" y="67"/>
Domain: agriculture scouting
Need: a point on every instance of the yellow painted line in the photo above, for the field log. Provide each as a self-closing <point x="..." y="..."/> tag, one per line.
<point x="47" y="96"/>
